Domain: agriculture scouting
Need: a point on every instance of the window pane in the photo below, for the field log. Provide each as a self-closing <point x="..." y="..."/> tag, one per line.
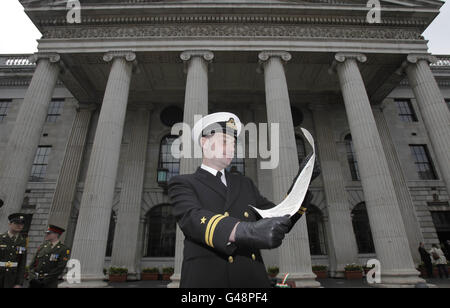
<point x="406" y="111"/>
<point x="423" y="162"/>
<point x="351" y="158"/>
<point x="166" y="159"/>
<point x="4" y="105"/>
<point x="361" y="228"/>
<point x="39" y="167"/>
<point x="161" y="228"/>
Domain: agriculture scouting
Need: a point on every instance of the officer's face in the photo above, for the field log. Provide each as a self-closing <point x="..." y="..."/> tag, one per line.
<point x="16" y="227"/>
<point x="219" y="147"/>
<point x="51" y="236"/>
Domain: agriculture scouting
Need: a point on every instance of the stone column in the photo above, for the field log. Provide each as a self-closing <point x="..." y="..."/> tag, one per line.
<point x="96" y="204"/>
<point x="295" y="257"/>
<point x="340" y="231"/>
<point x="405" y="202"/>
<point x="26" y="134"/>
<point x="126" y="250"/>
<point x="68" y="176"/>
<point x="433" y="109"/>
<point x="195" y="103"/>
<point x="389" y="236"/>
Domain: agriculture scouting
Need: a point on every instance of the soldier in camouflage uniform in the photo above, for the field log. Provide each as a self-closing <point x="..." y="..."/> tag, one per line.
<point x="50" y="260"/>
<point x="13" y="253"/>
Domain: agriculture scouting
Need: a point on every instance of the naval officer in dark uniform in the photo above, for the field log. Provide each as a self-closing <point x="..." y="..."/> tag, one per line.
<point x="49" y="261"/>
<point x="13" y="253"/>
<point x="223" y="235"/>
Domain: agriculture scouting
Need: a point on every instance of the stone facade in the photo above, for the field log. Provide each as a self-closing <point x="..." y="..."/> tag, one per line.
<point x="117" y="76"/>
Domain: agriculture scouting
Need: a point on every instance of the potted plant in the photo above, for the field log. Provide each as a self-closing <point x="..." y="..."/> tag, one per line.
<point x="353" y="271"/>
<point x="320" y="271"/>
<point x="273" y="271"/>
<point x="150" y="273"/>
<point x="117" y="274"/>
<point x="166" y="273"/>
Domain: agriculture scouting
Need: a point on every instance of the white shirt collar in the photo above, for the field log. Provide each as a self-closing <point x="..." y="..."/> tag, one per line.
<point x="214" y="172"/>
<point x="211" y="170"/>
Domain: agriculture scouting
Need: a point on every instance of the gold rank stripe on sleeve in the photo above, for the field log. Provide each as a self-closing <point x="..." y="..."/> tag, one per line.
<point x="212" y="224"/>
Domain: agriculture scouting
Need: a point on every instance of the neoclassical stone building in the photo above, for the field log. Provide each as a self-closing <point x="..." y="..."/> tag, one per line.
<point x="85" y="126"/>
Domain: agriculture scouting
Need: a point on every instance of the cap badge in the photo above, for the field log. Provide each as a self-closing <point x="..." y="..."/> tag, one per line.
<point x="231" y="124"/>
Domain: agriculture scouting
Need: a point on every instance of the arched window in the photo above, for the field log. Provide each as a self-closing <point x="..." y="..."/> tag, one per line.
<point x="351" y="158"/>
<point x="316" y="231"/>
<point x="160" y="230"/>
<point x="112" y="230"/>
<point x="361" y="228"/>
<point x="166" y="159"/>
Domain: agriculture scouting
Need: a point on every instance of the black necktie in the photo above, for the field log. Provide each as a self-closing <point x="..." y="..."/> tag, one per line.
<point x="219" y="176"/>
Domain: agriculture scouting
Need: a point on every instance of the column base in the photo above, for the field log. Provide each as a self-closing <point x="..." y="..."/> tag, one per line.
<point x="175" y="281"/>
<point x="133" y="276"/>
<point x="302" y="280"/>
<point x="400" y="279"/>
<point x="87" y="281"/>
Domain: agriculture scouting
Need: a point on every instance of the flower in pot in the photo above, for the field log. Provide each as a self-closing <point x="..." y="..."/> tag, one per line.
<point x="320" y="271"/>
<point x="117" y="274"/>
<point x="167" y="272"/>
<point x="273" y="271"/>
<point x="353" y="271"/>
<point x="150" y="273"/>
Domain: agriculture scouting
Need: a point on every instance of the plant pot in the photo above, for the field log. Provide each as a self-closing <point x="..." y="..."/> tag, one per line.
<point x="321" y="274"/>
<point x="353" y="275"/>
<point x="117" y="277"/>
<point x="149" y="276"/>
<point x="273" y="275"/>
<point x="166" y="277"/>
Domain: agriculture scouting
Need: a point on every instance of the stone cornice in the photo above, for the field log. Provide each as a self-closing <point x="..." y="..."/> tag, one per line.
<point x="226" y="19"/>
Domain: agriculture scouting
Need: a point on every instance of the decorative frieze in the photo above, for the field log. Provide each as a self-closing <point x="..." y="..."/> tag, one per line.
<point x="232" y="30"/>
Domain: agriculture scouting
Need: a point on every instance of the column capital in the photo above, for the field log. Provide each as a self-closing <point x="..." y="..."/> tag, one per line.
<point x="264" y="56"/>
<point x="414" y="59"/>
<point x="52" y="57"/>
<point x="129" y="56"/>
<point x="341" y="57"/>
<point x="207" y="55"/>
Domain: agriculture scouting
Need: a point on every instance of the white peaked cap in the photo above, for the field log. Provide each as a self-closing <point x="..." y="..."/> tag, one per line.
<point x="212" y="118"/>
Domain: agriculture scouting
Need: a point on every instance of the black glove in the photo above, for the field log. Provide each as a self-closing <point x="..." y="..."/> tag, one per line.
<point x="266" y="233"/>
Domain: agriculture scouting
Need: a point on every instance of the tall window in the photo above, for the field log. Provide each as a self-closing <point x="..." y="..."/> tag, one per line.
<point x="4" y="105"/>
<point x="166" y="159"/>
<point x="361" y="228"/>
<point x="423" y="163"/>
<point x="161" y="229"/>
<point x="39" y="168"/>
<point x="111" y="232"/>
<point x="316" y="231"/>
<point x="406" y="110"/>
<point x="351" y="158"/>
<point x="54" y="110"/>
